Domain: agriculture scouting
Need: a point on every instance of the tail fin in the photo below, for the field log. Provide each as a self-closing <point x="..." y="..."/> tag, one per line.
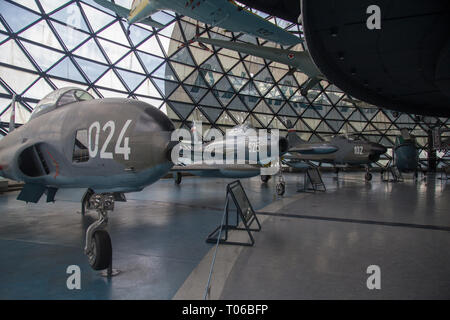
<point x="292" y="137"/>
<point x="12" y="118"/>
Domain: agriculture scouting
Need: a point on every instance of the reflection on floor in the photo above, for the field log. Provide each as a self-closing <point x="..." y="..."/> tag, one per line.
<point x="311" y="246"/>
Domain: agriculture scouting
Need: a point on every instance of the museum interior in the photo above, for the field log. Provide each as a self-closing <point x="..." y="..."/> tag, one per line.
<point x="369" y="224"/>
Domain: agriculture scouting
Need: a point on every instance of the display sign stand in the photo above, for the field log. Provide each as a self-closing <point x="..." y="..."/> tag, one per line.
<point x="313" y="178"/>
<point x="244" y="213"/>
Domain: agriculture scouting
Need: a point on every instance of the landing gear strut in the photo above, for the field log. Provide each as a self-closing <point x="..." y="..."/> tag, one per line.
<point x="265" y="178"/>
<point x="368" y="175"/>
<point x="281" y="185"/>
<point x="177" y="177"/>
<point x="98" y="246"/>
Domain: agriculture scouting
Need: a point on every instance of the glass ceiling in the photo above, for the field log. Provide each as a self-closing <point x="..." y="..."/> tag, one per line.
<point x="49" y="44"/>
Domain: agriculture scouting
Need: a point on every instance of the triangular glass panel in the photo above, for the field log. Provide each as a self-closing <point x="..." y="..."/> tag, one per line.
<point x="90" y="50"/>
<point x="357" y="116"/>
<point x="182" y="70"/>
<point x="67" y="70"/>
<point x="211" y="113"/>
<point x="237" y="83"/>
<point x="335" y="124"/>
<point x="237" y="104"/>
<point x="196" y="92"/>
<point x="196" y="80"/>
<point x="71" y="16"/>
<point x="38" y="90"/>
<point x="227" y="62"/>
<point x="91" y="69"/>
<point x="238" y="116"/>
<point x="210" y="100"/>
<point x="112" y="50"/>
<point x="97" y="19"/>
<point x="114" y="32"/>
<point x="262" y="108"/>
<point x="239" y="71"/>
<point x="111" y="81"/>
<point x="183" y="56"/>
<point x="46" y="57"/>
<point x="13" y="55"/>
<point x="264" y="76"/>
<point x="286" y="110"/>
<point x="150" y="62"/>
<point x="184" y="109"/>
<point x="41" y="33"/>
<point x="263" y="87"/>
<point x="148" y="89"/>
<point x="250" y="89"/>
<point x="275" y="105"/>
<point x="166" y="87"/>
<point x="211" y="77"/>
<point x="133" y="80"/>
<point x="16" y="17"/>
<point x="151" y="46"/>
<point x="180" y="95"/>
<point x="165" y="72"/>
<point x="226" y="119"/>
<point x="199" y="55"/>
<point x="130" y="62"/>
<point x="17" y="80"/>
<point x="287" y="91"/>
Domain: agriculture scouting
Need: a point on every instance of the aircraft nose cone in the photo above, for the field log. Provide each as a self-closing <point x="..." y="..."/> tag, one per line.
<point x="378" y="148"/>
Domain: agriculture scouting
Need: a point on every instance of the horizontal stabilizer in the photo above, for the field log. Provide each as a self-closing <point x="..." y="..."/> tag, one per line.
<point x="31" y="192"/>
<point x="152" y="23"/>
<point x="121" y="11"/>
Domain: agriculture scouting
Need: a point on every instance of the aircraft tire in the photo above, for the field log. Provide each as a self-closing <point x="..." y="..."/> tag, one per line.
<point x="368" y="176"/>
<point x="281" y="188"/>
<point x="177" y="177"/>
<point x="101" y="251"/>
<point x="265" y="178"/>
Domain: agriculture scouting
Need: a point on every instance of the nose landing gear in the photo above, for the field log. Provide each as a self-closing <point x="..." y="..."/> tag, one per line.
<point x="368" y="175"/>
<point x="98" y="246"/>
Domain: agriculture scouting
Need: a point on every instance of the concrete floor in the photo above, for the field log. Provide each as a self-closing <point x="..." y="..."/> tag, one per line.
<point x="312" y="246"/>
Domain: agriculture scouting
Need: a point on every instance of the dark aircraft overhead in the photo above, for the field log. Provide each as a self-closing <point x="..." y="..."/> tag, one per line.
<point x="403" y="66"/>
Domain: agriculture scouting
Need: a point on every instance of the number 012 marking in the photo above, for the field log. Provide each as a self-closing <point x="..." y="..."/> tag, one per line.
<point x="358" y="150"/>
<point x="121" y="143"/>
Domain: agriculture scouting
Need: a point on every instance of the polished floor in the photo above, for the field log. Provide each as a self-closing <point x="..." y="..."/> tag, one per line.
<point x="312" y="245"/>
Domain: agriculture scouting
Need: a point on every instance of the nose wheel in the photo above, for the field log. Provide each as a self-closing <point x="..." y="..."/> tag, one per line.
<point x="368" y="175"/>
<point x="98" y="246"/>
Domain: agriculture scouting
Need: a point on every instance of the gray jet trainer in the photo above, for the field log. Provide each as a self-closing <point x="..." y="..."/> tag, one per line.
<point x="339" y="151"/>
<point x="108" y="146"/>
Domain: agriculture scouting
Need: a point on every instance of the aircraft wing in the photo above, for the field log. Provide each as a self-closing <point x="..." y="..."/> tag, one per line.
<point x="313" y="149"/>
<point x="124" y="13"/>
<point x="121" y="11"/>
<point x="215" y="167"/>
<point x="300" y="60"/>
<point x="230" y="16"/>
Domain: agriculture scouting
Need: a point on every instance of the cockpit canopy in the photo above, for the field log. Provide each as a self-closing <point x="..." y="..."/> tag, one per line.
<point x="59" y="98"/>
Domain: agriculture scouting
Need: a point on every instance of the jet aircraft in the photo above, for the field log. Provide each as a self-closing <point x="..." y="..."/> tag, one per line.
<point x="339" y="151"/>
<point x="406" y="154"/>
<point x="225" y="14"/>
<point x="224" y="170"/>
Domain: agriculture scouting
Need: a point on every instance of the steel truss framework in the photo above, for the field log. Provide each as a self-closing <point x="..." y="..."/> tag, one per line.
<point x="49" y="44"/>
